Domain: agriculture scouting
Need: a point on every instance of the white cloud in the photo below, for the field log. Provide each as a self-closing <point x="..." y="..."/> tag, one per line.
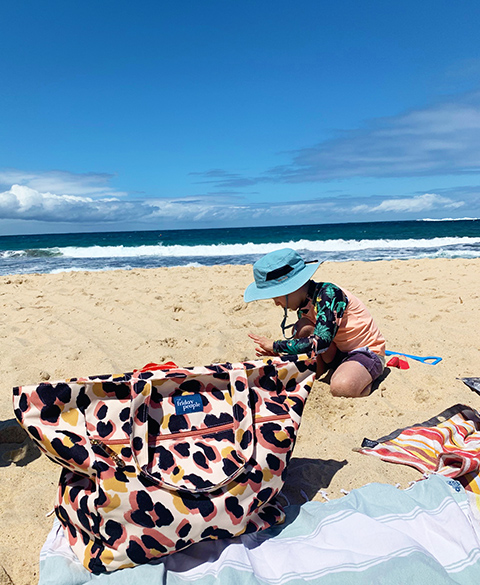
<point x="24" y="203"/>
<point x="98" y="206"/>
<point x="21" y="202"/>
<point x="59" y="196"/>
<point x="441" y="139"/>
<point x="417" y="204"/>
<point x="92" y="184"/>
<point x="438" y="140"/>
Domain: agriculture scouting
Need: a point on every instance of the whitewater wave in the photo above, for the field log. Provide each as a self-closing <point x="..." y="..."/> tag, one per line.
<point x="248" y="249"/>
<point x="102" y="258"/>
<point x="450" y="219"/>
<point x="35" y="253"/>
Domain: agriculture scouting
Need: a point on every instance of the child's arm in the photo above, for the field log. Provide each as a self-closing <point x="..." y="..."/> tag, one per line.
<point x="330" y="303"/>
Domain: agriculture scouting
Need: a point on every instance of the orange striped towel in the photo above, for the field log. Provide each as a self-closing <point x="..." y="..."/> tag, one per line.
<point x="448" y="444"/>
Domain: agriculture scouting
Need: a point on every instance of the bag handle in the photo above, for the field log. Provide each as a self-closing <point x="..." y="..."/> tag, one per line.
<point x="242" y="425"/>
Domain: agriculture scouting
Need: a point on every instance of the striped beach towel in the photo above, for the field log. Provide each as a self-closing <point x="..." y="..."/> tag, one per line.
<point x="374" y="535"/>
<point x="448" y="444"/>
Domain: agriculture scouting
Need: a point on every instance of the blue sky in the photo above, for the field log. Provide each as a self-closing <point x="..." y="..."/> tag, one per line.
<point x="152" y="115"/>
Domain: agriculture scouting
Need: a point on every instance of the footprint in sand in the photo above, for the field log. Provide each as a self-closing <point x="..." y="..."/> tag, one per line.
<point x="236" y="308"/>
<point x="421" y="395"/>
<point x="169" y="342"/>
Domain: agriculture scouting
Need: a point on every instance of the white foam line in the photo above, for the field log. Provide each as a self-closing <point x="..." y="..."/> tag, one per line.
<point x="338" y="245"/>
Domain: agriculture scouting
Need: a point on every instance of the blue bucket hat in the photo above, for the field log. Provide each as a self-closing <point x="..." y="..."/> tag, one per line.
<point x="279" y="273"/>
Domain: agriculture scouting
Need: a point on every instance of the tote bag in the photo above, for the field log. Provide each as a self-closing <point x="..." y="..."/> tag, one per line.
<point x="154" y="461"/>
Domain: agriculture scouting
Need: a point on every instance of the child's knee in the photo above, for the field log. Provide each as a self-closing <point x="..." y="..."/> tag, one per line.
<point x="351" y="379"/>
<point x="340" y="388"/>
<point x="349" y="387"/>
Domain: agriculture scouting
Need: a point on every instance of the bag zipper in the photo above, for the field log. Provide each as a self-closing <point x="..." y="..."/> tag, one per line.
<point x="219" y="428"/>
<point x="108" y="451"/>
<point x="104" y="444"/>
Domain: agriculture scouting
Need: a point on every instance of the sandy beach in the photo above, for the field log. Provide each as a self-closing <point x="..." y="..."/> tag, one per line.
<point x="84" y="323"/>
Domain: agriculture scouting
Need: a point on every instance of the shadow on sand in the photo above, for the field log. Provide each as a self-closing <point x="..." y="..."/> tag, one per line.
<point x="15" y="445"/>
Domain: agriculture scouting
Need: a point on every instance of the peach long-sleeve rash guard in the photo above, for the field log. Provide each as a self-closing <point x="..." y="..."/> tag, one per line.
<point x="338" y="316"/>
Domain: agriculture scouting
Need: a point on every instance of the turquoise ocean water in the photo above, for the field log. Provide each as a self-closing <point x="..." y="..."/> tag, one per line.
<point x="51" y="253"/>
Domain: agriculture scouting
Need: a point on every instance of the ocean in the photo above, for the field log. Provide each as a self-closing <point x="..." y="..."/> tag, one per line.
<point x="51" y="253"/>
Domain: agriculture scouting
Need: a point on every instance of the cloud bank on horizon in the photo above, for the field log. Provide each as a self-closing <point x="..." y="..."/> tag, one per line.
<point x="436" y="141"/>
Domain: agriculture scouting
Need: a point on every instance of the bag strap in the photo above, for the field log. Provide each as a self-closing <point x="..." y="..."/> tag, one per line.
<point x="242" y="425"/>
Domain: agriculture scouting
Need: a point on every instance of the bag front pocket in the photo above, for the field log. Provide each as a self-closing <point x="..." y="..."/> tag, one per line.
<point x="197" y="460"/>
<point x="193" y="434"/>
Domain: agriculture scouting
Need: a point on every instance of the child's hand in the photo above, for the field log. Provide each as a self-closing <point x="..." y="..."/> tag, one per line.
<point x="265" y="345"/>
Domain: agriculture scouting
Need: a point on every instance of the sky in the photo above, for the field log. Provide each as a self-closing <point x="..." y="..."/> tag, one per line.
<point x="122" y="115"/>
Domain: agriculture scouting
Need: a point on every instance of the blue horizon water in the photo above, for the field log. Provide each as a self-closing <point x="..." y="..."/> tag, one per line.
<point x="50" y="253"/>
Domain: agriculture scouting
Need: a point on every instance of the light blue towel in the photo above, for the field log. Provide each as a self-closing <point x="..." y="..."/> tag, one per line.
<point x="375" y="535"/>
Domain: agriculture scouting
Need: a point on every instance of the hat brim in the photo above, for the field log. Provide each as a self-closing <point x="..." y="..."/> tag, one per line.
<point x="253" y="293"/>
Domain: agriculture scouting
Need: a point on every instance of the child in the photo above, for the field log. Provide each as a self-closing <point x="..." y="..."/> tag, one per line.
<point x="332" y="323"/>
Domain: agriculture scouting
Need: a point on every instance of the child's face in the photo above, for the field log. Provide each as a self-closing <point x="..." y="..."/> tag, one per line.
<point x="280" y="301"/>
<point x="294" y="299"/>
<point x="291" y="302"/>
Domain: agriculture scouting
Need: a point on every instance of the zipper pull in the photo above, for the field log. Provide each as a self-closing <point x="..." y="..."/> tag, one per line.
<point x="109" y="452"/>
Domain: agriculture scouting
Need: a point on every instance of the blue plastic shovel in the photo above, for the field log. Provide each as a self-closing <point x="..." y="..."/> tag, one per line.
<point x="432" y="360"/>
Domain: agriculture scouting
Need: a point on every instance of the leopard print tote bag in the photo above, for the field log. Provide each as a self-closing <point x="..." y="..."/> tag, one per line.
<point x="154" y="461"/>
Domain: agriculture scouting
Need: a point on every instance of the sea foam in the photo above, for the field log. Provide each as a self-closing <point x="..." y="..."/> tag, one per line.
<point x="249" y="249"/>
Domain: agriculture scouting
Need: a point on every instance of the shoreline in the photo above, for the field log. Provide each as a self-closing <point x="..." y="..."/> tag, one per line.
<point x="138" y="262"/>
<point x="249" y="259"/>
<point x="73" y="324"/>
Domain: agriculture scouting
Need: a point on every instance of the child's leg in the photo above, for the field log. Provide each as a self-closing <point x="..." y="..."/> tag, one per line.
<point x="355" y="375"/>
<point x="351" y="379"/>
<point x="325" y="359"/>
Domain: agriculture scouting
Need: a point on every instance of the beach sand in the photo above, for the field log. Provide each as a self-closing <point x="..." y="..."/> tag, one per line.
<point x="74" y="324"/>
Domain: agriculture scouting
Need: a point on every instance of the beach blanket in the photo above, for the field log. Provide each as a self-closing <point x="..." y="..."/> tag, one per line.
<point x="376" y="534"/>
<point x="448" y="444"/>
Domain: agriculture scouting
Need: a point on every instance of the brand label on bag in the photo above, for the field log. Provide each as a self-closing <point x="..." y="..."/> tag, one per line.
<point x="188" y="404"/>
